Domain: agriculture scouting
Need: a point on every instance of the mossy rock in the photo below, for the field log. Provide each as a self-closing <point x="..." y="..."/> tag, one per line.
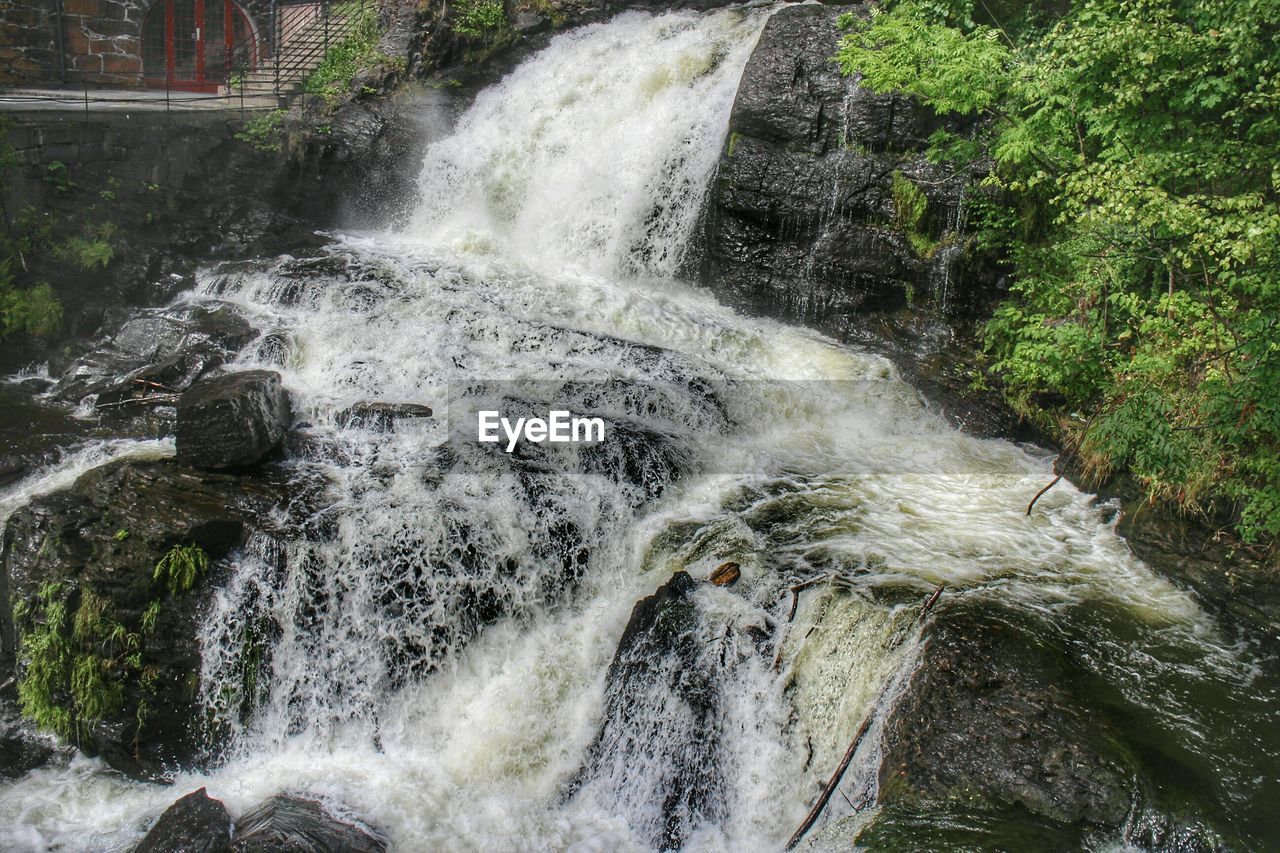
<point x="100" y="621"/>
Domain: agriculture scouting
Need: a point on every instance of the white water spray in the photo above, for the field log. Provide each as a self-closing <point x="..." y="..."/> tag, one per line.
<point x="432" y="651"/>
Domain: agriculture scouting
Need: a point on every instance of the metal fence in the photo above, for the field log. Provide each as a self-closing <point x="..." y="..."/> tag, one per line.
<point x="262" y="67"/>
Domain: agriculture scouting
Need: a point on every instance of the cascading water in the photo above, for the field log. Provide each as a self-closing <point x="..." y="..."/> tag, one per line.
<point x="431" y="650"/>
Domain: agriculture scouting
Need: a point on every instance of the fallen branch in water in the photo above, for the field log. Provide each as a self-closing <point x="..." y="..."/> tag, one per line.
<point x="834" y="781"/>
<point x="791" y="614"/>
<point x="148" y="383"/>
<point x="800" y="587"/>
<point x="141" y="401"/>
<point x="1041" y="492"/>
<point x="933" y="599"/>
<point x="832" y="784"/>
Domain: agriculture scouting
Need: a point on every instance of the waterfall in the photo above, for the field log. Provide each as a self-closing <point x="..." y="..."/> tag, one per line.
<point x="431" y="649"/>
<point x="595" y="155"/>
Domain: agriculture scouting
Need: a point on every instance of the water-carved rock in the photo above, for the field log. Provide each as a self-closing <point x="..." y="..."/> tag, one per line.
<point x="285" y="823"/>
<point x="155" y="351"/>
<point x="232" y="421"/>
<point x="380" y="417"/>
<point x="662" y="691"/>
<point x="989" y="720"/>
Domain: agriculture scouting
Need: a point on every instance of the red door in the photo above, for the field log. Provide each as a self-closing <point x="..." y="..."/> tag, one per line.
<point x="196" y="45"/>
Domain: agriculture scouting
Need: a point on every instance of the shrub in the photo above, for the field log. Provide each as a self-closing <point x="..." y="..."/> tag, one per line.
<point x="478" y="18"/>
<point x="263" y="131"/>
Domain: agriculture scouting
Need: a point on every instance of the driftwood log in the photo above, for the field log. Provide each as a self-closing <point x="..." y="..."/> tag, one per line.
<point x="834" y="782"/>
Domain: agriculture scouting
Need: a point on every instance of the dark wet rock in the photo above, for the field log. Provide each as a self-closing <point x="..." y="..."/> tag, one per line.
<point x="274" y="349"/>
<point x="233" y="420"/>
<point x="155" y="352"/>
<point x="660" y="666"/>
<point x="531" y="23"/>
<point x="989" y="720"/>
<point x="197" y="823"/>
<point x="91" y="552"/>
<point x="381" y="417"/>
<point x="34" y="432"/>
<point x="13" y="467"/>
<point x="802" y="223"/>
<point x="726" y="574"/>
<point x="21" y="747"/>
<point x="285" y="824"/>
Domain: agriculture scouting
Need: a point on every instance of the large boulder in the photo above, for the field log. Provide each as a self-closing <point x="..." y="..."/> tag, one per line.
<point x="103" y="587"/>
<point x="990" y="721"/>
<point x="197" y="823"/>
<point x="156" y="352"/>
<point x="804" y="223"/>
<point x="826" y="211"/>
<point x="232" y="421"/>
<point x="285" y="824"/>
<point x="661" y="666"/>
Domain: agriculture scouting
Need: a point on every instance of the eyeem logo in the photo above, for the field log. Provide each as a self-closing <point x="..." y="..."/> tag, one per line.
<point x="559" y="427"/>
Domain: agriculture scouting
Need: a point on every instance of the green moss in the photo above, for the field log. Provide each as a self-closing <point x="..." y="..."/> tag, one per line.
<point x="75" y="666"/>
<point x="910" y="207"/>
<point x="909" y="203"/>
<point x="181" y="567"/>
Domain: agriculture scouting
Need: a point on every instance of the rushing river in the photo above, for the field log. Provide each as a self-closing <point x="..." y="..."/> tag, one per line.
<point x="439" y="654"/>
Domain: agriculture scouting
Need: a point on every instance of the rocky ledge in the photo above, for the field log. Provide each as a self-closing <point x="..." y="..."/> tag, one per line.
<point x="102" y="588"/>
<point x="989" y="721"/>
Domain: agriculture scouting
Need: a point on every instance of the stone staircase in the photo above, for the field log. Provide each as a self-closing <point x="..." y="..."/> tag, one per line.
<point x="305" y="34"/>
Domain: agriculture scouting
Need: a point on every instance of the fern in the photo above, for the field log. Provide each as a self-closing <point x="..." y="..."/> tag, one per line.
<point x="181" y="567"/>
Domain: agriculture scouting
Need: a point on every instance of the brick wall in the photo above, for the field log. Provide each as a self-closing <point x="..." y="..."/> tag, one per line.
<point x="101" y="40"/>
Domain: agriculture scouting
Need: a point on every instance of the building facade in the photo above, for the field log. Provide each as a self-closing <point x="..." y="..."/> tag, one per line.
<point x="192" y="45"/>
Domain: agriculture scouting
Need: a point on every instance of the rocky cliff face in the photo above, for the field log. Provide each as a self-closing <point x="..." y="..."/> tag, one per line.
<point x="825" y="211"/>
<point x="808" y="220"/>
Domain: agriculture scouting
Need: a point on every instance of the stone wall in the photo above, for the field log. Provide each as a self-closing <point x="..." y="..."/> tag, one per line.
<point x="101" y="40"/>
<point x="167" y="189"/>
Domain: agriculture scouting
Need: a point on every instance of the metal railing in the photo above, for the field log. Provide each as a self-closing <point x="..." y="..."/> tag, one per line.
<point x="263" y="72"/>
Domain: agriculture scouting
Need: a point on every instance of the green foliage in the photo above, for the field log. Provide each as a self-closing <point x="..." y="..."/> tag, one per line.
<point x="75" y="666"/>
<point x="57" y="176"/>
<point x="91" y="250"/>
<point x="358" y="50"/>
<point x="478" y="19"/>
<point x="263" y="131"/>
<point x="34" y="310"/>
<point x="1136" y="196"/>
<point x="149" y="618"/>
<point x="905" y="51"/>
<point x="909" y="209"/>
<point x="181" y="567"/>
